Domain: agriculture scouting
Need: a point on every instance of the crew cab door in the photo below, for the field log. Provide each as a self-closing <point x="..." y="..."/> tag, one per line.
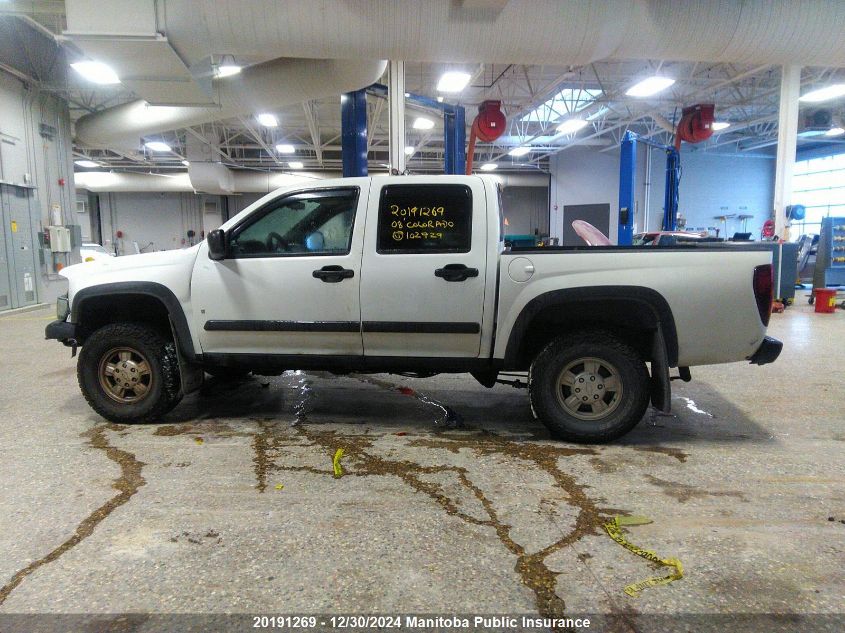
<point x="290" y="281"/>
<point x="424" y="268"/>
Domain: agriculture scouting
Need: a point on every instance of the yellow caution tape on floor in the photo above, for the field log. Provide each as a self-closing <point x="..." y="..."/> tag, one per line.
<point x="614" y="530"/>
<point x="338" y="471"/>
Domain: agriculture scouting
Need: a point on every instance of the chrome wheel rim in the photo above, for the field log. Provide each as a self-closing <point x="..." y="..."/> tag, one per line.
<point x="589" y="388"/>
<point x="125" y="375"/>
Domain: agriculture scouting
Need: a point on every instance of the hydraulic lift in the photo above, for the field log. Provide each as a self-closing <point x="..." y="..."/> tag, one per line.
<point x="628" y="181"/>
<point x="354" y="130"/>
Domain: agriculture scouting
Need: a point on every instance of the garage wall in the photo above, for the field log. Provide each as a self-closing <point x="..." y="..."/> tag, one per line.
<point x="156" y="221"/>
<point x="526" y="210"/>
<point x="742" y="184"/>
<point x="584" y="175"/>
<point x="717" y="184"/>
<point x="37" y="169"/>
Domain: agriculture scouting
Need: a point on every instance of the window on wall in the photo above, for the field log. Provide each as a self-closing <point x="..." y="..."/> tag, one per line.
<point x="818" y="184"/>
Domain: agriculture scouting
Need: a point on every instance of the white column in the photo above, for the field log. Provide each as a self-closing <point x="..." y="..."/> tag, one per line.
<point x="790" y="87"/>
<point x="396" y="100"/>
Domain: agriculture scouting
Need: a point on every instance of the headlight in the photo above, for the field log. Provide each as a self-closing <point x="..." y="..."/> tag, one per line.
<point x="62" y="307"/>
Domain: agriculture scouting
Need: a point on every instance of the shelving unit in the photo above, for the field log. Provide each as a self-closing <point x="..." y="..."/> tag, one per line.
<point x="830" y="260"/>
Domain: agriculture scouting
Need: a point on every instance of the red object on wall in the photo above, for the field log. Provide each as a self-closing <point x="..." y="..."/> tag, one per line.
<point x="696" y="124"/>
<point x="61" y="182"/>
<point x="488" y="125"/>
<point x="119" y="233"/>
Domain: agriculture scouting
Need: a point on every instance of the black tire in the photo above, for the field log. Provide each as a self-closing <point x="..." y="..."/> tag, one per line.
<point x="150" y="352"/>
<point x="608" y="358"/>
<point x="227" y="373"/>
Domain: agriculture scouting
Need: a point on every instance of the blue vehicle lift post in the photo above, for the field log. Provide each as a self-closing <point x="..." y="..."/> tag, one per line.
<point x="627" y="186"/>
<point x="454" y="128"/>
<point x="353" y="124"/>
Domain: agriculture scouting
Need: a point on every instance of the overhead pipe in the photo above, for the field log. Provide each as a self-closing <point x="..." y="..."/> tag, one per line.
<point x="262" y="87"/>
<point x="576" y="32"/>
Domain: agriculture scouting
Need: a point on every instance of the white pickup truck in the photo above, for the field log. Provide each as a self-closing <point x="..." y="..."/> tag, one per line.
<point x="410" y="274"/>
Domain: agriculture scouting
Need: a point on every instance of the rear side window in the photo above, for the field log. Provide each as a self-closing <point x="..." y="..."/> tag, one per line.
<point x="424" y="219"/>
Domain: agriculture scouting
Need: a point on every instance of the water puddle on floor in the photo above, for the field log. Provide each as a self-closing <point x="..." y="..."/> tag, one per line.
<point x="690" y="403"/>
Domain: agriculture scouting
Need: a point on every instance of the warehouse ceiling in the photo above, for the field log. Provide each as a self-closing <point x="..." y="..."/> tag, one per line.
<point x="38" y="45"/>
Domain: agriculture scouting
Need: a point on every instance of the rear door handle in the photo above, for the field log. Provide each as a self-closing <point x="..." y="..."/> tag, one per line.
<point x="455" y="272"/>
<point x="333" y="274"/>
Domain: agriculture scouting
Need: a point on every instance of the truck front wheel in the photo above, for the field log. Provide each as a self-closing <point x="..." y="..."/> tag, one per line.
<point x="129" y="373"/>
<point x="589" y="386"/>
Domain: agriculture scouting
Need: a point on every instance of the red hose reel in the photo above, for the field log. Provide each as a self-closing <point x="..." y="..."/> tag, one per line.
<point x="487" y="126"/>
<point x="696" y="124"/>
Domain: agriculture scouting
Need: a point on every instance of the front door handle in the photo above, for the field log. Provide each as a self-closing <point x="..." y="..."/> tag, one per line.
<point x="455" y="272"/>
<point x="333" y="274"/>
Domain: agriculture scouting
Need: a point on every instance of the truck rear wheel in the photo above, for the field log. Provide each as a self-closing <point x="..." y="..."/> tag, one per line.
<point x="129" y="373"/>
<point x="589" y="386"/>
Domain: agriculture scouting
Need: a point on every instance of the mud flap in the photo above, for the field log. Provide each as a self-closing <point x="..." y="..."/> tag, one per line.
<point x="191" y="375"/>
<point x="661" y="390"/>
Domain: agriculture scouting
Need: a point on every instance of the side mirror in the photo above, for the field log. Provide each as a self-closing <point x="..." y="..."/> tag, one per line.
<point x="216" y="244"/>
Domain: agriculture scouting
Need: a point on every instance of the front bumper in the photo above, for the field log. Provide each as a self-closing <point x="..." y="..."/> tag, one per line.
<point x="61" y="331"/>
<point x="768" y="351"/>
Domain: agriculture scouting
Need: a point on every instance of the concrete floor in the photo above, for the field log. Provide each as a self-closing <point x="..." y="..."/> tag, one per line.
<point x="453" y="499"/>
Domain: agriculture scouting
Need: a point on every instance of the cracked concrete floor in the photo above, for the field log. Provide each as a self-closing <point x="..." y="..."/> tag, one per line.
<point x="452" y="500"/>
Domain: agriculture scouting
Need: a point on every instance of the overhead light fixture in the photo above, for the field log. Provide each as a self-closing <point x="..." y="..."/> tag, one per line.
<point x="824" y="94"/>
<point x="295" y="164"/>
<point x="439" y="99"/>
<point x="720" y="125"/>
<point x="267" y="120"/>
<point x="227" y="67"/>
<point x="520" y="151"/>
<point x="96" y="72"/>
<point x="157" y="146"/>
<point x="453" y="81"/>
<point x="835" y="131"/>
<point x="285" y="148"/>
<point x="186" y="163"/>
<point x="571" y="126"/>
<point x="650" y="86"/>
<point x="407" y="94"/>
<point x="422" y="123"/>
<point x="409" y="149"/>
<point x="489" y="167"/>
<point x="86" y="163"/>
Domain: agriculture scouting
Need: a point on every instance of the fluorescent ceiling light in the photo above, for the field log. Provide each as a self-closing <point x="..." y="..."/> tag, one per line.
<point x="157" y="146"/>
<point x="519" y="151"/>
<point x="295" y="165"/>
<point x="439" y="99"/>
<point x="720" y="125"/>
<point x="453" y="81"/>
<point x="409" y="149"/>
<point x="571" y="126"/>
<point x="650" y="86"/>
<point x="96" y="72"/>
<point x="86" y="163"/>
<point x="824" y="94"/>
<point x="488" y="166"/>
<point x="186" y="163"/>
<point x="267" y="120"/>
<point x="285" y="148"/>
<point x="834" y="131"/>
<point x="423" y="124"/>
<point x="227" y="70"/>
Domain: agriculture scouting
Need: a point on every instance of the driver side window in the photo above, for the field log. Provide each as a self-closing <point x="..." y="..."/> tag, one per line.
<point x="310" y="223"/>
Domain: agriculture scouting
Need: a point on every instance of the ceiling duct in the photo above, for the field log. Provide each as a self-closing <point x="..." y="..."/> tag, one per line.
<point x="574" y="32"/>
<point x="263" y="87"/>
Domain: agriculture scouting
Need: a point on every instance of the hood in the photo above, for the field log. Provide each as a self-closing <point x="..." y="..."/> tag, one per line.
<point x="172" y="269"/>
<point x="107" y="265"/>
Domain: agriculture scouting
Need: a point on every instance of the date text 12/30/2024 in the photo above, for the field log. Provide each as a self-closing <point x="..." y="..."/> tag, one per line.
<point x="417" y="622"/>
